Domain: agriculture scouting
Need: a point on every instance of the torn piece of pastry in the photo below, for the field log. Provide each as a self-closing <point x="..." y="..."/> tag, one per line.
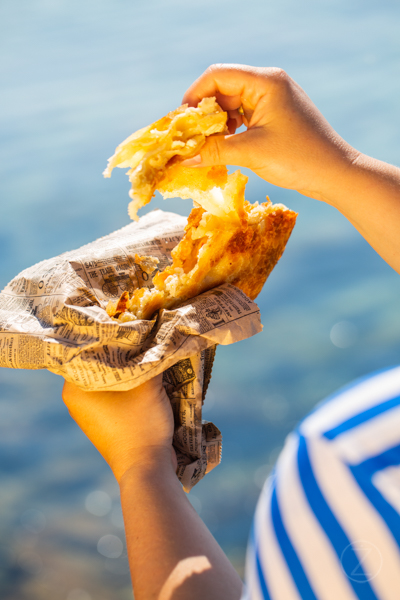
<point x="215" y="250"/>
<point x="149" y="152"/>
<point x="212" y="188"/>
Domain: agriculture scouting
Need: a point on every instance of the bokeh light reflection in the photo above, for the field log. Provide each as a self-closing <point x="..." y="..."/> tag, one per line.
<point x="110" y="546"/>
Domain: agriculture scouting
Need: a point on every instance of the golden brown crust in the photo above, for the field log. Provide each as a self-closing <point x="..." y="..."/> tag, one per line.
<point x="265" y="249"/>
<point x="243" y="256"/>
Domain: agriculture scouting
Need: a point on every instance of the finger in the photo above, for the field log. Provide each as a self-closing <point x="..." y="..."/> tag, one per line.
<point x="227" y="80"/>
<point x="218" y="80"/>
<point x="231" y="125"/>
<point x="228" y="103"/>
<point x="235" y="117"/>
<point x="151" y="387"/>
<point x="224" y="150"/>
<point x="220" y="150"/>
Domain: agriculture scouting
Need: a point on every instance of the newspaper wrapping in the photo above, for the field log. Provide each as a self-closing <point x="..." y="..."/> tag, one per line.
<point x="52" y="316"/>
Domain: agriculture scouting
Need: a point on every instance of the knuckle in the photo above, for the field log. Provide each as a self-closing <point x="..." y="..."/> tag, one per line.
<point x="224" y="68"/>
<point x="279" y="82"/>
<point x="278" y="75"/>
<point x="214" y="68"/>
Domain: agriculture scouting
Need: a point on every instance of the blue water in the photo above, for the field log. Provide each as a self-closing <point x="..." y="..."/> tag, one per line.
<point x="76" y="79"/>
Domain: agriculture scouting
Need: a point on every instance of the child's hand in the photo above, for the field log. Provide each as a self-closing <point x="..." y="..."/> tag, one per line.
<point x="288" y="142"/>
<point x="128" y="428"/>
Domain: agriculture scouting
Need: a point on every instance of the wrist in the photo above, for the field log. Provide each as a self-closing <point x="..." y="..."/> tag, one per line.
<point x="360" y="183"/>
<point x="151" y="462"/>
<point x="338" y="176"/>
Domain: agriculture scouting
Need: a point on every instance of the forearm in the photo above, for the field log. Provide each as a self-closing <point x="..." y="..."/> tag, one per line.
<point x="171" y="552"/>
<point x="367" y="193"/>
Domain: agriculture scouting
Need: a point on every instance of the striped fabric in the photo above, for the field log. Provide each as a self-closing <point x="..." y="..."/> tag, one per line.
<point x="327" y="525"/>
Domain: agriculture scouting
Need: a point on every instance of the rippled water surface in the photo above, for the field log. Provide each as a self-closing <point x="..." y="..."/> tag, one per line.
<point x="78" y="77"/>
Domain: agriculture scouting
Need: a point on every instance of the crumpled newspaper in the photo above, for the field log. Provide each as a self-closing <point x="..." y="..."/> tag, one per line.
<point x="52" y="316"/>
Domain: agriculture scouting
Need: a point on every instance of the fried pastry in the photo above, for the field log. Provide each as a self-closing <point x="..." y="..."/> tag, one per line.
<point x="241" y="250"/>
<point x="150" y="152"/>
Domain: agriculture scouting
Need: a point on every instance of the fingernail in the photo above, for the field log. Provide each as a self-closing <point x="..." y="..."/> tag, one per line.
<point x="192" y="162"/>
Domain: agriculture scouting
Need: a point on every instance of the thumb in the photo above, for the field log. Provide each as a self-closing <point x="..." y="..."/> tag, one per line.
<point x="223" y="150"/>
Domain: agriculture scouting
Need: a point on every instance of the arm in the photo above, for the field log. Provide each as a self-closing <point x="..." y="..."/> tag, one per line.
<point x="290" y="144"/>
<point x="172" y="554"/>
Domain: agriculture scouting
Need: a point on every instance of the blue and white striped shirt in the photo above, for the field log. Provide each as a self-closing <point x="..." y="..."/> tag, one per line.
<point x="327" y="525"/>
